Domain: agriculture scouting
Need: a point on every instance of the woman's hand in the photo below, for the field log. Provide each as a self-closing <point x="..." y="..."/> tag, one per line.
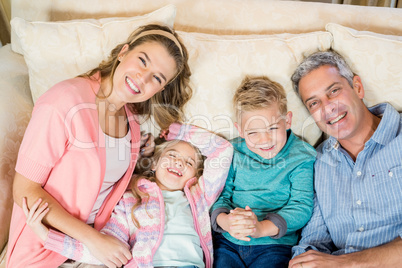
<point x="34" y="217"/>
<point x="147" y="144"/>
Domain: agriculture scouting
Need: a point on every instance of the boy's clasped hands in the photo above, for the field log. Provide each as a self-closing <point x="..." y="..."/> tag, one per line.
<point x="243" y="224"/>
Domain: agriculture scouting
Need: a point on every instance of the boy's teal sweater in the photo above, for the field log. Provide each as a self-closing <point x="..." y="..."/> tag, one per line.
<point x="279" y="189"/>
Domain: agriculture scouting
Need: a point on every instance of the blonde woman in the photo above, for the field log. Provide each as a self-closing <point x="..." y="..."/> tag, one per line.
<point x="83" y="141"/>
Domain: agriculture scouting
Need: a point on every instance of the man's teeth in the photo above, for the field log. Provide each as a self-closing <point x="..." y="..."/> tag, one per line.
<point x="131" y="85"/>
<point x="337" y="119"/>
<point x="174" y="171"/>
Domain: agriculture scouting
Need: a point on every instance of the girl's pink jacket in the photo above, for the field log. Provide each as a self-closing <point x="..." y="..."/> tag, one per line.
<point x="64" y="150"/>
<point x="143" y="242"/>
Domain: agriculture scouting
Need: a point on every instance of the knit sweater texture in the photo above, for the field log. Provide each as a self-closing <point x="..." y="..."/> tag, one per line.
<point x="144" y="241"/>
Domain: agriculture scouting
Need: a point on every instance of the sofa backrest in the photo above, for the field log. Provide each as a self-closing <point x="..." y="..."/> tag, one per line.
<point x="224" y="16"/>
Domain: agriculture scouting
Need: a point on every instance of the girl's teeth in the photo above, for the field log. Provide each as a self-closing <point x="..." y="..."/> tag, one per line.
<point x="174" y="171"/>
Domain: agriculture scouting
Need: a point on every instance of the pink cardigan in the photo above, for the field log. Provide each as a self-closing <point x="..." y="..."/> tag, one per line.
<point x="145" y="241"/>
<point x="64" y="150"/>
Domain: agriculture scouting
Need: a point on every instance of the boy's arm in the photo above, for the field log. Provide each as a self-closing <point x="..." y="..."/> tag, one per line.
<point x="218" y="151"/>
<point x="296" y="213"/>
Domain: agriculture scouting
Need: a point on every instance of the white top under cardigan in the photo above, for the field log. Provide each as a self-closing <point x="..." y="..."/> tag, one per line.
<point x="117" y="162"/>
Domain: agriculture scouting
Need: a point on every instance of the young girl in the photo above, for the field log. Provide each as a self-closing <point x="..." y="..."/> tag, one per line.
<point x="83" y="140"/>
<point x="164" y="219"/>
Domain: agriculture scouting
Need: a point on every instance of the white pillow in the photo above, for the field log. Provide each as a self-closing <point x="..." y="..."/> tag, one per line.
<point x="55" y="51"/>
<point x="219" y="64"/>
<point x="376" y="58"/>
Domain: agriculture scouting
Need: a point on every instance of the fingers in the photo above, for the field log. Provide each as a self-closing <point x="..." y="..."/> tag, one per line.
<point x="25" y="207"/>
<point x="121" y="259"/>
<point x="147" y="144"/>
<point x="36" y="213"/>
<point x="40" y="213"/>
<point x="164" y="133"/>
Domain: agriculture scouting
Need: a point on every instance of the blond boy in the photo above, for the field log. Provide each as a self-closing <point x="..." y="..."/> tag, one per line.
<point x="268" y="194"/>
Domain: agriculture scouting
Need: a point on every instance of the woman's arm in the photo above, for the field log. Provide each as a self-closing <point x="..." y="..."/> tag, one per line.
<point x="107" y="249"/>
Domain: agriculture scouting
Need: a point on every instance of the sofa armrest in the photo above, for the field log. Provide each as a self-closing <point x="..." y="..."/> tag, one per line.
<point x="15" y="111"/>
<point x="3" y="257"/>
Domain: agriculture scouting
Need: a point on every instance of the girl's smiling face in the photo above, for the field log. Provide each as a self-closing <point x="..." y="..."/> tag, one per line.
<point x="142" y="72"/>
<point x="177" y="164"/>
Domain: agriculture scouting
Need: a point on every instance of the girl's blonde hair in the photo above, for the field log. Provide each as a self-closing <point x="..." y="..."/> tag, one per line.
<point x="165" y="106"/>
<point x="149" y="174"/>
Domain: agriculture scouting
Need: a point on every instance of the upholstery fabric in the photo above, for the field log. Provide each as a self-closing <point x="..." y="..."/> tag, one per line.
<point x="376" y="58"/>
<point x="16" y="105"/>
<point x="219" y="64"/>
<point x="223" y="16"/>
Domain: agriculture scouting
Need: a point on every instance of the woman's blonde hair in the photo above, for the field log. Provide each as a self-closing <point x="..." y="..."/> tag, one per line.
<point x="149" y="174"/>
<point x="165" y="106"/>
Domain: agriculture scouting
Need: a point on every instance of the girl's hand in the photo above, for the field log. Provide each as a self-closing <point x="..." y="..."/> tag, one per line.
<point x="34" y="217"/>
<point x="109" y="250"/>
<point x="164" y="133"/>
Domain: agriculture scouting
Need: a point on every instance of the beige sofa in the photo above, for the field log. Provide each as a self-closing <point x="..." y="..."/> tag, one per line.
<point x="226" y="39"/>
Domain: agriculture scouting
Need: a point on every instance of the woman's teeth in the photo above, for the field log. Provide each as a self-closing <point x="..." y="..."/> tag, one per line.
<point x="131" y="85"/>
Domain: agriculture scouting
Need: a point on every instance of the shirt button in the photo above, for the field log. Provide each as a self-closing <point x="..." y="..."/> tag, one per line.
<point x="361" y="229"/>
<point x="359" y="173"/>
<point x="359" y="202"/>
<point x="390" y="174"/>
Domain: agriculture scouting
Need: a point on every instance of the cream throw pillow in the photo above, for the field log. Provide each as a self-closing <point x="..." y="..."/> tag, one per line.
<point x="55" y="51"/>
<point x="219" y="64"/>
<point x="376" y="58"/>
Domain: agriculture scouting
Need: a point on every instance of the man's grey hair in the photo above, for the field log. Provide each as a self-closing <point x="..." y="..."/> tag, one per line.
<point x="318" y="59"/>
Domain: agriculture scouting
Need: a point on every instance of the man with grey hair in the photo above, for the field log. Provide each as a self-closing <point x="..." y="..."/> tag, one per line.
<point x="357" y="218"/>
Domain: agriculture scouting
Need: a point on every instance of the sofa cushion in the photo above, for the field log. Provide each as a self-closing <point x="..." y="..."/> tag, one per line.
<point x="55" y="51"/>
<point x="219" y="64"/>
<point x="224" y="16"/>
<point x="376" y="58"/>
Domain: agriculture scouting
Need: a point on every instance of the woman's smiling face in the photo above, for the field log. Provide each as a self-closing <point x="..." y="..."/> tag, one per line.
<point x="177" y="164"/>
<point x="142" y="72"/>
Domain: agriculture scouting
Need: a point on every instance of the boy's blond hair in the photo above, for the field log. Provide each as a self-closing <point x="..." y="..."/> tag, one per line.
<point x="259" y="92"/>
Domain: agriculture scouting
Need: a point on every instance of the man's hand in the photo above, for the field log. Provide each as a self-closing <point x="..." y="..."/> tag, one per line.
<point x="314" y="258"/>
